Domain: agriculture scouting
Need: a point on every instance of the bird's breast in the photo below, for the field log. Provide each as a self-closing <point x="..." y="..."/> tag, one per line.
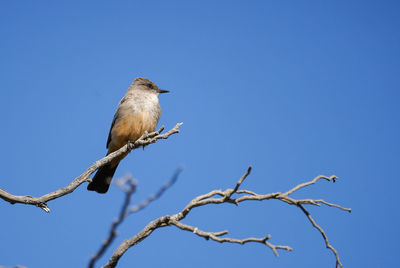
<point x="133" y="120"/>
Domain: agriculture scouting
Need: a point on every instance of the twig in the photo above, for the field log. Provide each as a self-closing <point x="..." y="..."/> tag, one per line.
<point x="145" y="139"/>
<point x="219" y="197"/>
<point x="158" y="194"/>
<point x="216" y="237"/>
<point x="125" y="211"/>
<point x="338" y="263"/>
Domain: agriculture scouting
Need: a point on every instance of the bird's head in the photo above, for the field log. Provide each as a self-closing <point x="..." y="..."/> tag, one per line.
<point x="146" y="84"/>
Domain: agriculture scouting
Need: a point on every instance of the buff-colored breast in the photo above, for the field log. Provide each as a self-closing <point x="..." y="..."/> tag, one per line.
<point x="130" y="128"/>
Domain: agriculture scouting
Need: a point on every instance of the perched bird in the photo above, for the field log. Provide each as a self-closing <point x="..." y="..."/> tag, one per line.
<point x="138" y="111"/>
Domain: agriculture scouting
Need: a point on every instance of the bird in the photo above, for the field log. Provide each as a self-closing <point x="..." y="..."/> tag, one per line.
<point x="137" y="112"/>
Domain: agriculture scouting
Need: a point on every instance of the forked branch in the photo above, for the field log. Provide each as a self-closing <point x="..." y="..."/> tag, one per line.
<point x="234" y="196"/>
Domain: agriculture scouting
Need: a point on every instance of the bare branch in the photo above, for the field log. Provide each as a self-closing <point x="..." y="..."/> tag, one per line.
<point x="128" y="185"/>
<point x="124" y="246"/>
<point x="219" y="197"/>
<point x="146" y="139"/>
<point x="216" y="237"/>
<point x="242" y="179"/>
<point x="338" y="263"/>
<point x="298" y="187"/>
<point x="332" y="205"/>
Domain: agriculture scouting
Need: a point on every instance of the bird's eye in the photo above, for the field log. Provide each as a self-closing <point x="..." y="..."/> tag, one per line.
<point x="150" y="86"/>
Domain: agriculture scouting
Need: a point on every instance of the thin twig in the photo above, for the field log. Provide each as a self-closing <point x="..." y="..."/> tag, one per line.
<point x="216" y="237"/>
<point x="155" y="196"/>
<point x="338" y="263"/>
<point x="128" y="190"/>
<point x="146" y="139"/>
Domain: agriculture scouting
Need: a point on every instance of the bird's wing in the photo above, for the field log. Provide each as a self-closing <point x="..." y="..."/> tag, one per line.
<point x="112" y="125"/>
<point x="116" y="117"/>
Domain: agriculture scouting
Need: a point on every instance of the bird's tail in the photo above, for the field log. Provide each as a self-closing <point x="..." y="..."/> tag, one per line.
<point x="101" y="181"/>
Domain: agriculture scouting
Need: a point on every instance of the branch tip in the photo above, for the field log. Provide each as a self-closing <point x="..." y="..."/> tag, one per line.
<point x="161" y="129"/>
<point x="249" y="169"/>
<point x="266" y="238"/>
<point x="241" y="180"/>
<point x="44" y="207"/>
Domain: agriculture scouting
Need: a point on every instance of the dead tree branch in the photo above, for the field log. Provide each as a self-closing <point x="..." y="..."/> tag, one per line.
<point x="219" y="197"/>
<point x="128" y="185"/>
<point x="145" y="139"/>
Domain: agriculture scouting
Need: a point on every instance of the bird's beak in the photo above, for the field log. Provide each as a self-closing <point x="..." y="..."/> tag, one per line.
<point x="163" y="91"/>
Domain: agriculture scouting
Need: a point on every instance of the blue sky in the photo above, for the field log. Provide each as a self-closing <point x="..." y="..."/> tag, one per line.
<point x="294" y="88"/>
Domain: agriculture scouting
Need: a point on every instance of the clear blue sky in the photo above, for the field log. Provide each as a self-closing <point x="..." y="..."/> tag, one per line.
<point x="294" y="88"/>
